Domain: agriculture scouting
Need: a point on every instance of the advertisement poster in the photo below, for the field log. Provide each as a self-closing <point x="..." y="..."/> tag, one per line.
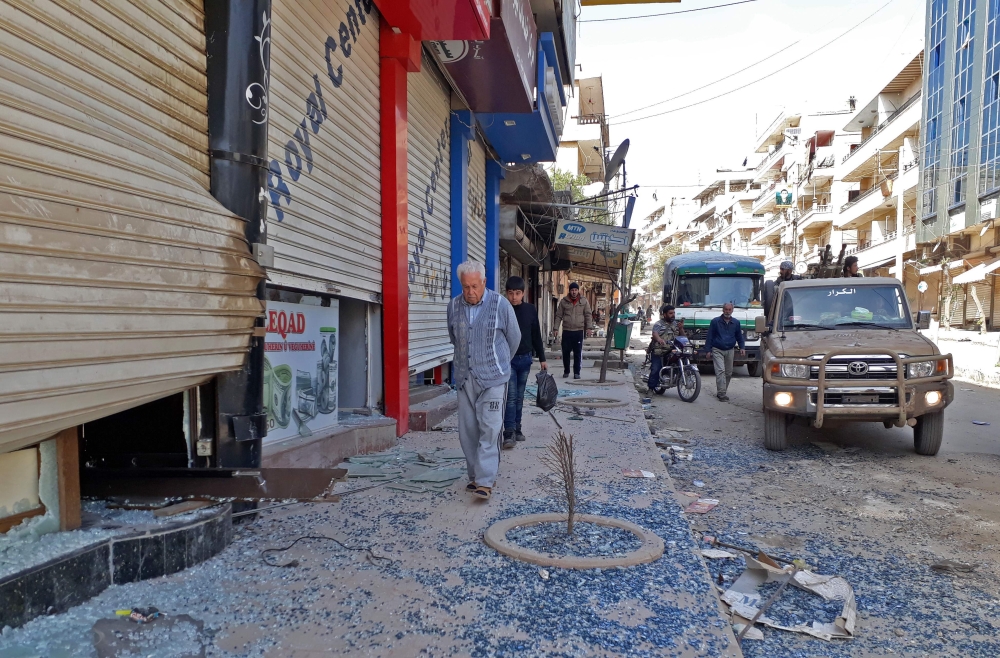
<point x="300" y="369"/>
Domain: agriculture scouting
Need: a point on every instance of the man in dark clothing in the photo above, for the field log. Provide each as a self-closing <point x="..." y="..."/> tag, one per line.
<point x="663" y="332"/>
<point x="520" y="364"/>
<point x="574" y="314"/>
<point x="724" y="334"/>
<point x="851" y="266"/>
<point x="786" y="272"/>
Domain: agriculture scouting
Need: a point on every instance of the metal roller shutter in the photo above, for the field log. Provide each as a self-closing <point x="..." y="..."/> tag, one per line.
<point x="476" y="217"/>
<point x="323" y="141"/>
<point x="428" y="149"/>
<point x="122" y="279"/>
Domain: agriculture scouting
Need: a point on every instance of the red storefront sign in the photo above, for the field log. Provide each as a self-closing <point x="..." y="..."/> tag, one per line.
<point x="497" y="75"/>
<point x="427" y="20"/>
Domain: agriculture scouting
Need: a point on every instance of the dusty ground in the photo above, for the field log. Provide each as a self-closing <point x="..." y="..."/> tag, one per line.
<point x="855" y="500"/>
<point x="442" y="591"/>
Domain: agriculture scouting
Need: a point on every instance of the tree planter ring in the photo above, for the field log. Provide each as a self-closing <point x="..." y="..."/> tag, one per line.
<point x="594" y="403"/>
<point x="596" y="382"/>
<point x="496" y="538"/>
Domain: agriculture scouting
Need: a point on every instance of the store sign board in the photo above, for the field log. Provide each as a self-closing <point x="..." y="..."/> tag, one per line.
<point x="300" y="368"/>
<point x="497" y="75"/>
<point x="586" y="235"/>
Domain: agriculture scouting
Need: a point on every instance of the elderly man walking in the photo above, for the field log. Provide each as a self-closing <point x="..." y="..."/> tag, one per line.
<point x="483" y="328"/>
<point x="724" y="333"/>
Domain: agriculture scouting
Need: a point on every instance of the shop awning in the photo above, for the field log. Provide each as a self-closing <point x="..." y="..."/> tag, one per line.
<point x="977" y="273"/>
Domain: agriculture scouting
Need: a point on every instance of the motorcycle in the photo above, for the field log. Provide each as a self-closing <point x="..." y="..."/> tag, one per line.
<point x="678" y="370"/>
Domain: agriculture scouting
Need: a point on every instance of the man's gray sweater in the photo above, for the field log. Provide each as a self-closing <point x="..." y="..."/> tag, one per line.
<point x="483" y="348"/>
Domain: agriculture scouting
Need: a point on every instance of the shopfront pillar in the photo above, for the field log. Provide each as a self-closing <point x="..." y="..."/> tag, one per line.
<point x="398" y="55"/>
<point x="462" y="132"/>
<point x="494" y="174"/>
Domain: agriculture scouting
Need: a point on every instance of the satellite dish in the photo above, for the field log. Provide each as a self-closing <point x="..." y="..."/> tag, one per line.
<point x="616" y="162"/>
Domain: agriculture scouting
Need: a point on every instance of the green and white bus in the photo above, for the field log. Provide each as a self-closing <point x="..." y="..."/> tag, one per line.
<point x="698" y="283"/>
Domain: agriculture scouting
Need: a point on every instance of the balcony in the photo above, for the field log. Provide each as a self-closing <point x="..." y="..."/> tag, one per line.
<point x="742" y="223"/>
<point x="874" y="253"/>
<point x="765" y="200"/>
<point x="773" y="226"/>
<point x="766" y="169"/>
<point x="816" y="216"/>
<point x="882" y="138"/>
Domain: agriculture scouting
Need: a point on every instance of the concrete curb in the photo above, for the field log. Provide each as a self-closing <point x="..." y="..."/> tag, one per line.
<point x="496" y="538"/>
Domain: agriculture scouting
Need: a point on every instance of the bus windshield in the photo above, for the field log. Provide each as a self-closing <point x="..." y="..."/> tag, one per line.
<point x="710" y="290"/>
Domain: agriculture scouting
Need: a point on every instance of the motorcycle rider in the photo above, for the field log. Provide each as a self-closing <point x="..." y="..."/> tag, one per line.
<point x="664" y="331"/>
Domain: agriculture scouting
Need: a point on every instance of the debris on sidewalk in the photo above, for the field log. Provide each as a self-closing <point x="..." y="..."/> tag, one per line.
<point x="702" y="506"/>
<point x="717" y="554"/>
<point x="745" y="601"/>
<point x="178" y="636"/>
<point x="698" y="483"/>
<point x="952" y="566"/>
<point x="633" y="473"/>
<point x="979" y="422"/>
<point x="139" y="615"/>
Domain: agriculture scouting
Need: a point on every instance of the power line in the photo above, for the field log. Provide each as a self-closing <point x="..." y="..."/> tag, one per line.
<point x="761" y="79"/>
<point x="668" y="13"/>
<point x="722" y="79"/>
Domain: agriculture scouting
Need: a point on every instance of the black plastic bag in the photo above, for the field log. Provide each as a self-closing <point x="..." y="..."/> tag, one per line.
<point x="547" y="391"/>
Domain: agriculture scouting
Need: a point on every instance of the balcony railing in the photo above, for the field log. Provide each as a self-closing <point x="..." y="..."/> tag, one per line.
<point x="888" y="237"/>
<point x="867" y="193"/>
<point x="882" y="126"/>
<point x="777" y="148"/>
<point x="590" y="119"/>
<point x="771" y="222"/>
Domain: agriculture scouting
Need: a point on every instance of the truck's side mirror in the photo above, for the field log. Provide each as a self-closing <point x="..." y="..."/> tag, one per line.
<point x="760" y="324"/>
<point x="923" y="319"/>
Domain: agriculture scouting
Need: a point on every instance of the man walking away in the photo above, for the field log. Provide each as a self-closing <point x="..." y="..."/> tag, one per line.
<point x="520" y="365"/>
<point x="663" y="332"/>
<point x="724" y="334"/>
<point x="574" y="314"/>
<point x="483" y="328"/>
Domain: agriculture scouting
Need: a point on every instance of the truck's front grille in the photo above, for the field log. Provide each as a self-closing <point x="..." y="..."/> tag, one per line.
<point x="856" y="399"/>
<point x="839" y="368"/>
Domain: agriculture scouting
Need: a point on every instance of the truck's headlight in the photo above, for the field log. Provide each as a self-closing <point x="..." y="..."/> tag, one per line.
<point x="795" y="371"/>
<point x="920" y="369"/>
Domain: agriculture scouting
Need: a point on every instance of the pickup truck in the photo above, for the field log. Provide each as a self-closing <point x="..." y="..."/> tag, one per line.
<point x="848" y="349"/>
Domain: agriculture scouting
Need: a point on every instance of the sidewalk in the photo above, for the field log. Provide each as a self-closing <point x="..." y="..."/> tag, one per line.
<point x="446" y="592"/>
<point x="975" y="355"/>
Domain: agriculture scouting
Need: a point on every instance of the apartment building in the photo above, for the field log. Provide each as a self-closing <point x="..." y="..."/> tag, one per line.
<point x="959" y="164"/>
<point x="879" y="176"/>
<point x="723" y="220"/>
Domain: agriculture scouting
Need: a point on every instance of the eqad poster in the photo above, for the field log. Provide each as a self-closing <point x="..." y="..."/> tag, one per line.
<point x="300" y="369"/>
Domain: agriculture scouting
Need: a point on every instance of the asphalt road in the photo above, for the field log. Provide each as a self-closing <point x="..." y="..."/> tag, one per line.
<point x="971" y="403"/>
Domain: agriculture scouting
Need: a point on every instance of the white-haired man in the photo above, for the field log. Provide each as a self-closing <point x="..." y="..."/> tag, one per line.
<point x="483" y="328"/>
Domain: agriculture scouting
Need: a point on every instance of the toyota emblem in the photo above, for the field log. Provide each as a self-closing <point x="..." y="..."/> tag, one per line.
<point x="858" y="368"/>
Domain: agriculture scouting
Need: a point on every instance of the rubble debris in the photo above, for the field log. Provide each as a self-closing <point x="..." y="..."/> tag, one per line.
<point x="953" y="566"/>
<point x="717" y="554"/>
<point x="698" y="483"/>
<point x="118" y="638"/>
<point x="633" y="473"/>
<point x="181" y="508"/>
<point x="744" y="599"/>
<point x="702" y="506"/>
<point x="979" y="422"/>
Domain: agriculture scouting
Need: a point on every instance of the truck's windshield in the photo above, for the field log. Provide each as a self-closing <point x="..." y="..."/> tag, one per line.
<point x="715" y="290"/>
<point x="832" y="306"/>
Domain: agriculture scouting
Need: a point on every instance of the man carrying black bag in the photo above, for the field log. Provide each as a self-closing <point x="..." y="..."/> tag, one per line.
<point x="520" y="364"/>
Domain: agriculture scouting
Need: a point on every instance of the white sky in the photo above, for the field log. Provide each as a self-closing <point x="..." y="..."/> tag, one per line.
<point x="651" y="59"/>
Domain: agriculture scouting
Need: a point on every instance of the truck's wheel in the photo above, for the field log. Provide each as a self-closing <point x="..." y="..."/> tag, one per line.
<point x="928" y="432"/>
<point x="774" y="430"/>
<point x="754" y="369"/>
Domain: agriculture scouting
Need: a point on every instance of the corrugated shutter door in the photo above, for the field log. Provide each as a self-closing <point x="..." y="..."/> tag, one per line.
<point x="323" y="141"/>
<point x="476" y="218"/>
<point x="428" y="153"/>
<point x="122" y="279"/>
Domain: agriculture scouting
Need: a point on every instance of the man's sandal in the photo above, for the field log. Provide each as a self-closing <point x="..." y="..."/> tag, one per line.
<point x="483" y="492"/>
<point x="472" y="486"/>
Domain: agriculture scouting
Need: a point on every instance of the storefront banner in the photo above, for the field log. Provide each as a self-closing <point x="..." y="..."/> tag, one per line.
<point x="587" y="235"/>
<point x="300" y="369"/>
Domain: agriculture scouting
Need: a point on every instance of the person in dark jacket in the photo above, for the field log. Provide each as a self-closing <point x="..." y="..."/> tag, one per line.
<point x="520" y="364"/>
<point x="724" y="334"/>
<point x="787" y="272"/>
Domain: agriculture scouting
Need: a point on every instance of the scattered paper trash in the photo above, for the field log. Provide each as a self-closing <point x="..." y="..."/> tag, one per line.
<point x="698" y="483"/>
<point x="139" y="615"/>
<point x="702" y="506"/>
<point x="752" y="634"/>
<point x="689" y="494"/>
<point x="633" y="473"/>
<point x="979" y="422"/>
<point x="716" y="554"/>
<point x="543" y="574"/>
<point x="745" y="601"/>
